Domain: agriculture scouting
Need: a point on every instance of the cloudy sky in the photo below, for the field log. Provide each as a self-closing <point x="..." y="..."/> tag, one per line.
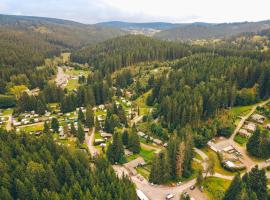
<point x="92" y="11"/>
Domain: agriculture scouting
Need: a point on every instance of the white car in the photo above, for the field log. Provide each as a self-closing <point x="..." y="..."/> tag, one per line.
<point x="169" y="196"/>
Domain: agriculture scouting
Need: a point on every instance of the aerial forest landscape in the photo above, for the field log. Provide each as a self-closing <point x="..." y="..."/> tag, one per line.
<point x="134" y="100"/>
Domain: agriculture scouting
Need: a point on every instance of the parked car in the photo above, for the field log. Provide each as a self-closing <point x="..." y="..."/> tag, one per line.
<point x="192" y="187"/>
<point x="169" y="196"/>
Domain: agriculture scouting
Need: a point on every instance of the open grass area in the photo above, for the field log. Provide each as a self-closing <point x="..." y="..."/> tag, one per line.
<point x="146" y="154"/>
<point x="240" y="139"/>
<point x="218" y="167"/>
<point x="72" y="84"/>
<point x="215" y="187"/>
<point x="240" y="110"/>
<point x="8" y="111"/>
<point x="197" y="156"/>
<point x="141" y="102"/>
<point x="32" y="128"/>
<point x="144" y="171"/>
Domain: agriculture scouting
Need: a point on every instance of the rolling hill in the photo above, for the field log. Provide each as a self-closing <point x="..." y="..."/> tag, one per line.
<point x="197" y="31"/>
<point x="60" y="32"/>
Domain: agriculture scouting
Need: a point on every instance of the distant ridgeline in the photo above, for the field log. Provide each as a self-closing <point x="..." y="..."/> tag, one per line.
<point x="34" y="168"/>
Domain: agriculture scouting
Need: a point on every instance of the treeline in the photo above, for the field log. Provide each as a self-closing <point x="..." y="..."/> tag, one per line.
<point x="252" y="186"/>
<point x="259" y="144"/>
<point x="94" y="91"/>
<point x="113" y="54"/>
<point x="34" y="168"/>
<point x="175" y="161"/>
<point x="199" y="86"/>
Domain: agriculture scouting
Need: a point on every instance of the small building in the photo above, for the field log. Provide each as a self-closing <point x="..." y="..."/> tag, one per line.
<point x="141" y="134"/>
<point x="267" y="126"/>
<point x="157" y="141"/>
<point x="36" y="120"/>
<point x="105" y="135"/>
<point x="99" y="118"/>
<point x="98" y="141"/>
<point x="229" y="164"/>
<point x="101" y="107"/>
<point x="244" y="133"/>
<point x="38" y="133"/>
<point x="258" y="118"/>
<point x="250" y="127"/>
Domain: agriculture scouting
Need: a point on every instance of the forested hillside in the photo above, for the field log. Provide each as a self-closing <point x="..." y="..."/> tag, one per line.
<point x="127" y="50"/>
<point x="34" y="168"/>
<point x="200" y="85"/>
<point x="194" y="32"/>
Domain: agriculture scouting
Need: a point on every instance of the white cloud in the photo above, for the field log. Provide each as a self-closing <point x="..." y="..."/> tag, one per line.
<point x="91" y="11"/>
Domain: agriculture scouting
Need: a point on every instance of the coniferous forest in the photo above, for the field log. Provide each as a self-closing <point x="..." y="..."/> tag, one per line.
<point x="93" y="112"/>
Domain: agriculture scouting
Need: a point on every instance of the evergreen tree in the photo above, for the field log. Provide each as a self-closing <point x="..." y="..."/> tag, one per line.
<point x="115" y="152"/>
<point x="234" y="189"/>
<point x="80" y="132"/>
<point x="125" y="137"/>
<point x="46" y="128"/>
<point x="134" y="142"/>
<point x="81" y="116"/>
<point x="73" y="131"/>
<point x="89" y="117"/>
<point x="55" y="125"/>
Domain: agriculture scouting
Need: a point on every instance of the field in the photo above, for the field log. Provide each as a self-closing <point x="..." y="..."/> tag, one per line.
<point x="240" y="110"/>
<point x="32" y="127"/>
<point x="215" y="187"/>
<point x="147" y="155"/>
<point x="240" y="140"/>
<point x="141" y="102"/>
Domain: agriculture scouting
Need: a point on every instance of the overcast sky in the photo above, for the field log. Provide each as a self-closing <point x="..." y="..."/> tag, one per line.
<point x="92" y="11"/>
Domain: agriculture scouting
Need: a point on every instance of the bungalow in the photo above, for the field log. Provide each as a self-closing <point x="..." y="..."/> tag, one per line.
<point x="250" y="127"/>
<point x="244" y="133"/>
<point x="258" y="118"/>
<point x="36" y="120"/>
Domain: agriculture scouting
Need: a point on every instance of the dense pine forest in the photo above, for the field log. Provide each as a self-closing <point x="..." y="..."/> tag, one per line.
<point x="124" y="99"/>
<point x="40" y="169"/>
<point x="128" y="50"/>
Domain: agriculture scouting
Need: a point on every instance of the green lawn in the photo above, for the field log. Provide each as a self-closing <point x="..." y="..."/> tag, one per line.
<point x="147" y="155"/>
<point x="8" y="111"/>
<point x="215" y="187"/>
<point x="32" y="128"/>
<point x="72" y="84"/>
<point x="141" y="102"/>
<point x="143" y="171"/>
<point x="240" y="139"/>
<point x="240" y="110"/>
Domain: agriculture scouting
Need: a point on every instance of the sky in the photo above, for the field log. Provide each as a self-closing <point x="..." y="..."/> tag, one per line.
<point x="181" y="11"/>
